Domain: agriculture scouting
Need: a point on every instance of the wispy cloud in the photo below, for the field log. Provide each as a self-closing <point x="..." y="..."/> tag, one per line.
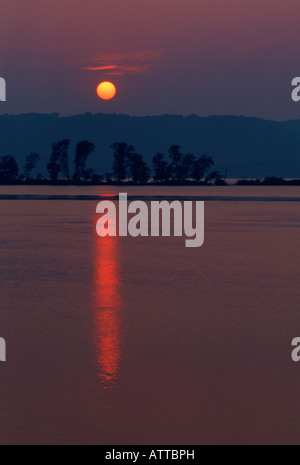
<point x="119" y="64"/>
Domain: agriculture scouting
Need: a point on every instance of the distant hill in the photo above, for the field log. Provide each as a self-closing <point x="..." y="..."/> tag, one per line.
<point x="248" y="147"/>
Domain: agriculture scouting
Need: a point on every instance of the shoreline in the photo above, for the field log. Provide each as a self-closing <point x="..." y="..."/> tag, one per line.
<point x="267" y="182"/>
<point x="145" y="198"/>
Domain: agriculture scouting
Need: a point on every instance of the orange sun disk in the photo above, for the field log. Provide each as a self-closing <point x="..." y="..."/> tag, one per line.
<point x="106" y="90"/>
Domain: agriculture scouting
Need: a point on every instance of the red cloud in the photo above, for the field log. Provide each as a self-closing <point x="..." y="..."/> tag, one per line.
<point x="119" y="64"/>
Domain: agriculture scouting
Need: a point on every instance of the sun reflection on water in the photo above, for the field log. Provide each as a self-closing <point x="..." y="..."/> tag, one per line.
<point x="107" y="310"/>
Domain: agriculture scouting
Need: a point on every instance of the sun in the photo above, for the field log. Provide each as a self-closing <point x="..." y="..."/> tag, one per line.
<point x="106" y="90"/>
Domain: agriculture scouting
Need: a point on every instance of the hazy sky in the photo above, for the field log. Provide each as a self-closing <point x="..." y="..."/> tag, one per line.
<point x="165" y="56"/>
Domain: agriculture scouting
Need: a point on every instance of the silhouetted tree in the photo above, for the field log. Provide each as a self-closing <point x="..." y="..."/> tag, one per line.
<point x="96" y="179"/>
<point x="138" y="169"/>
<point x="40" y="177"/>
<point x="87" y="174"/>
<point x="9" y="169"/>
<point x="83" y="150"/>
<point x="214" y="177"/>
<point x="108" y="178"/>
<point x="162" y="169"/>
<point x="62" y="148"/>
<point x="122" y="154"/>
<point x="187" y="163"/>
<point x="59" y="160"/>
<point x="30" y="163"/>
<point x="201" y="166"/>
<point x="176" y="161"/>
<point x="53" y="166"/>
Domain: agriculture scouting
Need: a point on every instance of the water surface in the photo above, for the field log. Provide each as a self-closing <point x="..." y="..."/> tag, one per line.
<point x="140" y="340"/>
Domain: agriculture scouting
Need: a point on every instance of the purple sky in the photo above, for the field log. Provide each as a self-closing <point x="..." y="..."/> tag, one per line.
<point x="165" y="56"/>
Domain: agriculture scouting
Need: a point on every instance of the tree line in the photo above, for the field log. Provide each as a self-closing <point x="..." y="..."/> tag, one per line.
<point x="128" y="166"/>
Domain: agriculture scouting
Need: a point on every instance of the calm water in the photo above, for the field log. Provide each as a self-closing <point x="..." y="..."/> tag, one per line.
<point x="142" y="341"/>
